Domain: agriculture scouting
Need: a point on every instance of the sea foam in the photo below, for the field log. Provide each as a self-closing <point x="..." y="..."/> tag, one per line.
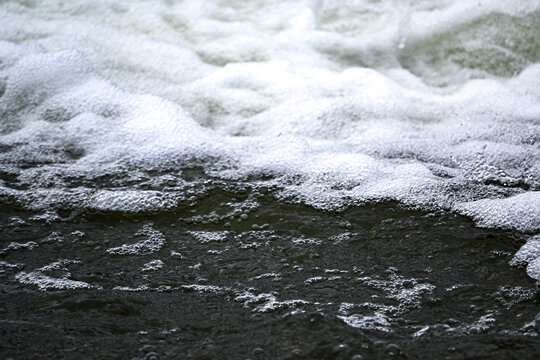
<point x="333" y="104"/>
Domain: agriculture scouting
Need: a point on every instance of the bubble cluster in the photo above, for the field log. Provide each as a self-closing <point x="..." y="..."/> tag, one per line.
<point x="408" y="293"/>
<point x="511" y="295"/>
<point x="152" y="241"/>
<point x="52" y="276"/>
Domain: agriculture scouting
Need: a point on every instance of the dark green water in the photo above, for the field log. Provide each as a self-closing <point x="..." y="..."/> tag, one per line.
<point x="372" y="282"/>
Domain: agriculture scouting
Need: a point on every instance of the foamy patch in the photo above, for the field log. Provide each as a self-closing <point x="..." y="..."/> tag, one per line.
<point x="17" y="246"/>
<point x="512" y="295"/>
<point x="161" y="288"/>
<point x="408" y="293"/>
<point x="528" y="252"/>
<point x="133" y="200"/>
<point x="481" y="325"/>
<point x="529" y="255"/>
<point x="213" y="289"/>
<point x="54" y="276"/>
<point x="5" y="266"/>
<point x="153" y="265"/>
<point x="44" y="282"/>
<point x="153" y="240"/>
<point x="520" y="212"/>
<point x="378" y="321"/>
<point x="266" y="302"/>
<point x="93" y="131"/>
<point x="205" y="237"/>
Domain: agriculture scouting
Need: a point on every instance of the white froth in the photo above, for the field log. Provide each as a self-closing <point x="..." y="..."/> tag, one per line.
<point x="205" y="237"/>
<point x="533" y="269"/>
<point x="153" y="265"/>
<point x="528" y="252"/>
<point x="529" y="255"/>
<point x="378" y="321"/>
<point x="4" y="266"/>
<point x="152" y="241"/>
<point x="338" y="103"/>
<point x="54" y="276"/>
<point x="408" y="293"/>
<point x="17" y="246"/>
<point x="520" y="212"/>
<point x="266" y="302"/>
<point x="44" y="282"/>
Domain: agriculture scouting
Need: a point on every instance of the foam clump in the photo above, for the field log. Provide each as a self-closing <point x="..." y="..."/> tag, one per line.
<point x="17" y="246"/>
<point x="533" y="269"/>
<point x="54" y="276"/>
<point x="408" y="293"/>
<point x="528" y="252"/>
<point x="152" y="241"/>
<point x="529" y="256"/>
<point x="520" y="212"/>
<point x="132" y="201"/>
<point x="511" y="295"/>
<point x="205" y="237"/>
<point x="266" y="302"/>
<point x="44" y="282"/>
<point x="153" y="265"/>
<point x="378" y="322"/>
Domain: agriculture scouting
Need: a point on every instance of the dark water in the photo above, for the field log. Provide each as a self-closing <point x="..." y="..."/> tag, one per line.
<point x="373" y="282"/>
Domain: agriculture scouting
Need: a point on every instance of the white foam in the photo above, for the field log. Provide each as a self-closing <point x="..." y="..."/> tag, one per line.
<point x="408" y="293"/>
<point x="520" y="212"/>
<point x="153" y="265"/>
<point x="528" y="252"/>
<point x="17" y="246"/>
<point x="378" y="321"/>
<point x="337" y="103"/>
<point x="54" y="276"/>
<point x="529" y="255"/>
<point x="533" y="269"/>
<point x="152" y="241"/>
<point x="44" y="282"/>
<point x="266" y="302"/>
<point x="4" y="266"/>
<point x="205" y="237"/>
<point x="160" y="288"/>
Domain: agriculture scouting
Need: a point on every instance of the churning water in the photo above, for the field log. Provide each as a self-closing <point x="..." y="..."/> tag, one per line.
<point x="346" y="131"/>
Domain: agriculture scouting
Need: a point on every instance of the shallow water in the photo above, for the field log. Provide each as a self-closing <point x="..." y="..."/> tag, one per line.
<point x="337" y="178"/>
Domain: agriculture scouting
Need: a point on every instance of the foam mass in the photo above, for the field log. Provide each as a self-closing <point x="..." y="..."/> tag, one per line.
<point x="106" y="104"/>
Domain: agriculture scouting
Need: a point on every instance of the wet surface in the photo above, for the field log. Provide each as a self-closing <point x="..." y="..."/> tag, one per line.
<point x="243" y="276"/>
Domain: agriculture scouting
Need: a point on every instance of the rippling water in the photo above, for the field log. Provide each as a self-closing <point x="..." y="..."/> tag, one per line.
<point x="340" y="178"/>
